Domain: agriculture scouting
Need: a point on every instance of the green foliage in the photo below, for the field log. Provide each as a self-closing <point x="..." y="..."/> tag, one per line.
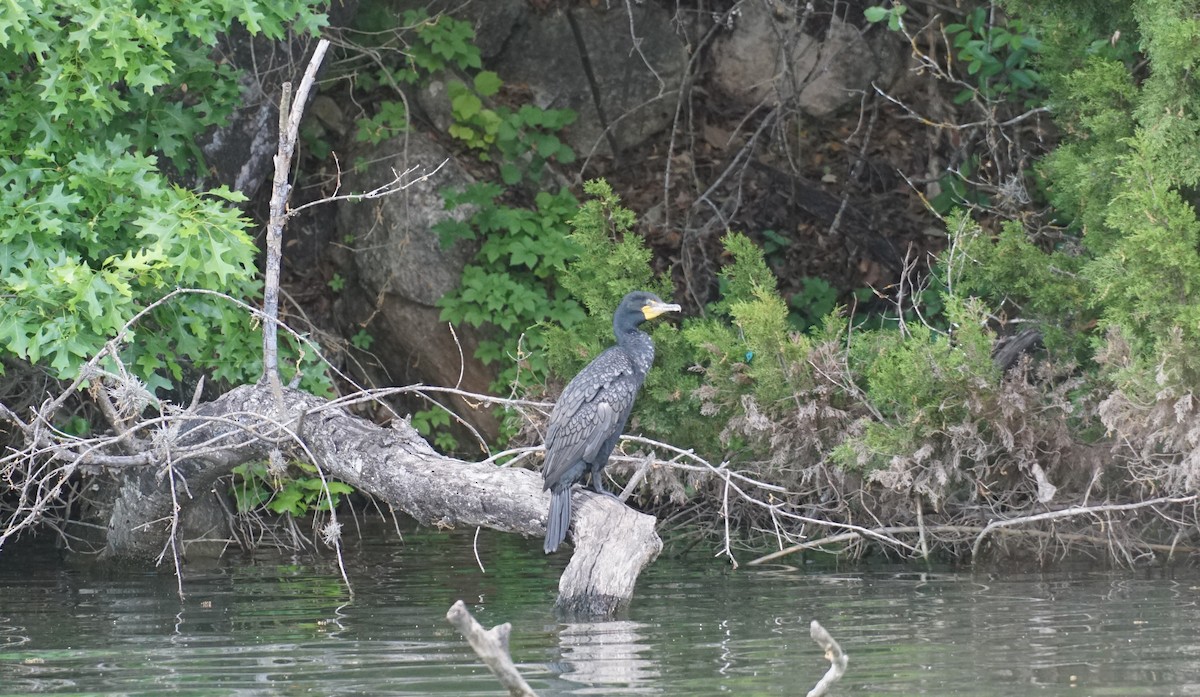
<point x="296" y="492"/>
<point x="1010" y="271"/>
<point x="1166" y="113"/>
<point x="893" y="15"/>
<point x="509" y="290"/>
<point x="957" y="191"/>
<point x="90" y="229"/>
<point x="1121" y="82"/>
<point x="1095" y="101"/>
<point x="774" y="245"/>
<point x="1127" y="171"/>
<point x="431" y="46"/>
<point x="521" y="141"/>
<point x="617" y="261"/>
<point x="1148" y="282"/>
<point x="362" y="340"/>
<point x="140" y="70"/>
<point x="391" y="119"/>
<point x="510" y="287"/>
<point x="750" y="347"/>
<point x="989" y="57"/>
<point x="433" y="424"/>
<point x="441" y="43"/>
<point x="997" y="56"/>
<point x="920" y="382"/>
<point x="813" y="303"/>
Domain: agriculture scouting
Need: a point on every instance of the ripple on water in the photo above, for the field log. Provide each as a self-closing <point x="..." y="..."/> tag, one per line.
<point x="274" y="624"/>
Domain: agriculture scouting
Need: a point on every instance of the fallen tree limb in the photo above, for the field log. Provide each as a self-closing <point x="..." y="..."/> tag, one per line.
<point x="1072" y="512"/>
<point x="965" y="532"/>
<point x="833" y="652"/>
<point x="491" y="645"/>
<point x="612" y="543"/>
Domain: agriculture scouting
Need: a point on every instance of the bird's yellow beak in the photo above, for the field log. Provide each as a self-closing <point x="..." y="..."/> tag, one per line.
<point x="653" y="309"/>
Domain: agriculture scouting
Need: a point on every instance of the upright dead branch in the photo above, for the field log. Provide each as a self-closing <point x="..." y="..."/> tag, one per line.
<point x="290" y="112"/>
<point x="491" y="645"/>
<point x="833" y="652"/>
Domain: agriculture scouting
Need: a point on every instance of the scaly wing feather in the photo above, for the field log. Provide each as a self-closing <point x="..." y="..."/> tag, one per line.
<point x="591" y="410"/>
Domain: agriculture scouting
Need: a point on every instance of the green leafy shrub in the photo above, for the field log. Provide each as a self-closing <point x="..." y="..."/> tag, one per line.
<point x="840" y="414"/>
<point x="92" y="231"/>
<point x="511" y="288"/>
<point x="521" y="141"/>
<point x="430" y="46"/>
<point x="1021" y="278"/>
<point x="920" y="384"/>
<point x="1126" y="173"/>
<point x="434" y="424"/>
<point x="298" y="491"/>
<point x="998" y="56"/>
<point x="816" y="299"/>
<point x="1146" y="285"/>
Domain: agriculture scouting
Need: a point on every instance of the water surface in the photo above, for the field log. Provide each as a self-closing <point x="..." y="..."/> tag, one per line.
<point x="272" y="624"/>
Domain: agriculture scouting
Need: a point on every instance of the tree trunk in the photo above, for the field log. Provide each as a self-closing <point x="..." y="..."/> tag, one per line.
<point x="612" y="542"/>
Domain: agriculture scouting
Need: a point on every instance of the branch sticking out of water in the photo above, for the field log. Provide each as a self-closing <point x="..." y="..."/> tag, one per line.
<point x="491" y="645"/>
<point x="837" y="659"/>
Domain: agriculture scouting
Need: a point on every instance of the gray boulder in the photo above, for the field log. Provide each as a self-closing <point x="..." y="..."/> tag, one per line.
<point x="402" y="270"/>
<point x="618" y="68"/>
<point x="768" y="57"/>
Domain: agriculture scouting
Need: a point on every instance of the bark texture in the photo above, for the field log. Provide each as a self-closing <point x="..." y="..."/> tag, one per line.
<point x="612" y="542"/>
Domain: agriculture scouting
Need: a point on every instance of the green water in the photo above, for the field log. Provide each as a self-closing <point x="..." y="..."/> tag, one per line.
<point x="284" y="625"/>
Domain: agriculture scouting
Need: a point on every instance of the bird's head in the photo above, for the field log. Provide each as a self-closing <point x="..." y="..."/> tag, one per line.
<point x="639" y="306"/>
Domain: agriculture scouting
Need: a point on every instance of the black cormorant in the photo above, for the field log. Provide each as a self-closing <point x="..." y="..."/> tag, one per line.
<point x="588" y="418"/>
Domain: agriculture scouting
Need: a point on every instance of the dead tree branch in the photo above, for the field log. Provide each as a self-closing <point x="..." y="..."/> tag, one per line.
<point x="1076" y="511"/>
<point x="289" y="129"/>
<point x="833" y="652"/>
<point x="612" y="543"/>
<point x="491" y="645"/>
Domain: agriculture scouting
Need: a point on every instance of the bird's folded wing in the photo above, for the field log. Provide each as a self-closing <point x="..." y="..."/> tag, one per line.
<point x="587" y="414"/>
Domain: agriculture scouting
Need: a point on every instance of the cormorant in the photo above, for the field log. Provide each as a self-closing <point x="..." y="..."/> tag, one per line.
<point x="588" y="418"/>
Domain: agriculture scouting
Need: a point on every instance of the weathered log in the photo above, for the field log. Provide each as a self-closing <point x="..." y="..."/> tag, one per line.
<point x="612" y="542"/>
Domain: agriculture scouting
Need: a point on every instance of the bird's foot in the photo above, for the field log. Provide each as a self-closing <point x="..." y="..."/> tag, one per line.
<point x="599" y="489"/>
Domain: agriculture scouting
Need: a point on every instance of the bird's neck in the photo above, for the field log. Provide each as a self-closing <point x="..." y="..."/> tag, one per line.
<point x="640" y="348"/>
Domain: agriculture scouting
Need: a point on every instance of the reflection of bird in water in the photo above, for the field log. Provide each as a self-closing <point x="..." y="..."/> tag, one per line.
<point x="588" y="418"/>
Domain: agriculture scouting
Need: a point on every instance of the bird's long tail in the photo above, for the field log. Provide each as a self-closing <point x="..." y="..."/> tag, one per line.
<point x="559" y="519"/>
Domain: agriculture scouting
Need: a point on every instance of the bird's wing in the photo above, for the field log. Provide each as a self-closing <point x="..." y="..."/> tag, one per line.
<point x="589" y="412"/>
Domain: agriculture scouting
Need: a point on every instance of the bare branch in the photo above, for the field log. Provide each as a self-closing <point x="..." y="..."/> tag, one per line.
<point x="1076" y="511"/>
<point x="491" y="645"/>
<point x="397" y="184"/>
<point x="833" y="652"/>
<point x="289" y="127"/>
